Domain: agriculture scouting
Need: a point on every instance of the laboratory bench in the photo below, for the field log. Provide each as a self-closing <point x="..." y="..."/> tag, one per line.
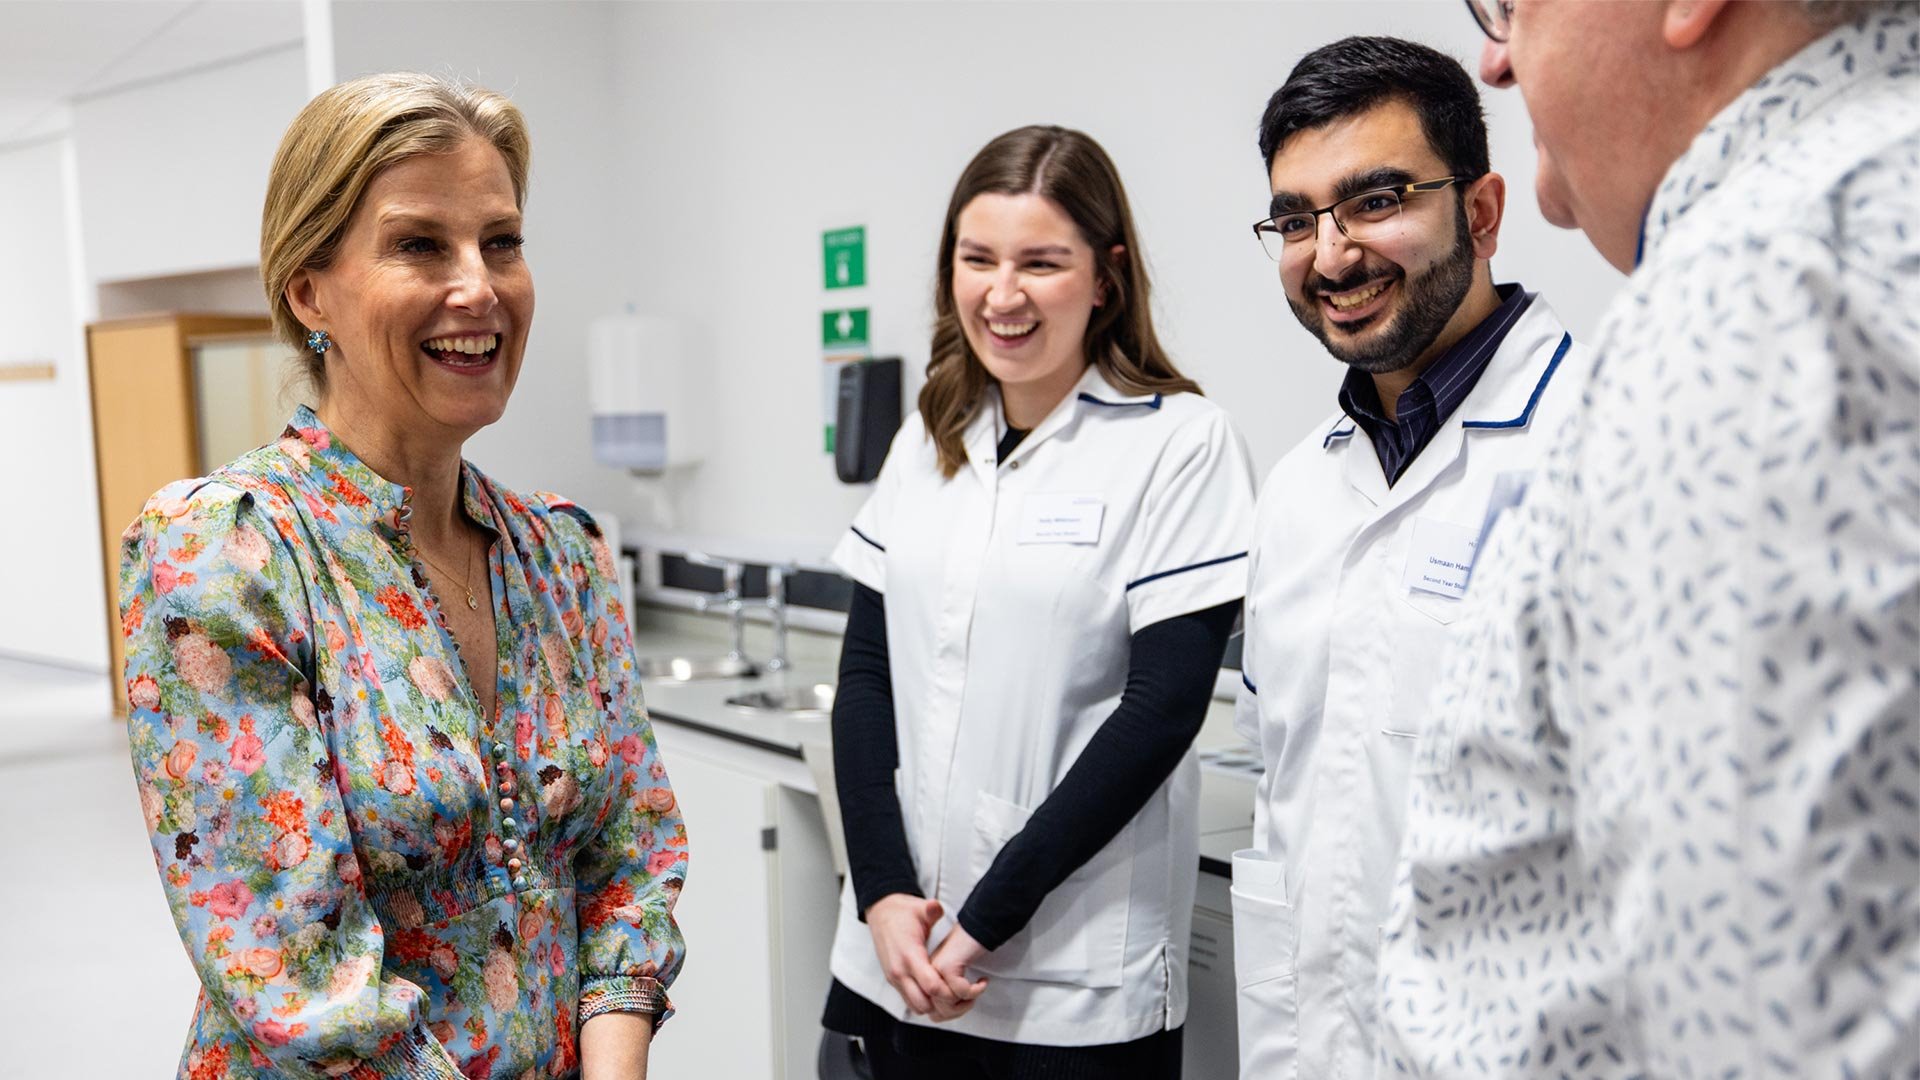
<point x="762" y="894"/>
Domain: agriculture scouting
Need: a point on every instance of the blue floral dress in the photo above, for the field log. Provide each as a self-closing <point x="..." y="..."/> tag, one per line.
<point x="372" y="878"/>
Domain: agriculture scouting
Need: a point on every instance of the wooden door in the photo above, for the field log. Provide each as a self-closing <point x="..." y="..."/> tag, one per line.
<point x="145" y="433"/>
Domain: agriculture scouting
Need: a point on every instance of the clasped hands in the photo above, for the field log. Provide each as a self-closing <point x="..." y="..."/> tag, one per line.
<point x="934" y="985"/>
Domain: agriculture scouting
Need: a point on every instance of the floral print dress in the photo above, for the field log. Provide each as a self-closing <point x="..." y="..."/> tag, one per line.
<point x="373" y="879"/>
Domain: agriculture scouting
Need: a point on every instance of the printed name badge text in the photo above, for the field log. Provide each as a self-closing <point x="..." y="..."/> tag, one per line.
<point x="1440" y="558"/>
<point x="1061" y="519"/>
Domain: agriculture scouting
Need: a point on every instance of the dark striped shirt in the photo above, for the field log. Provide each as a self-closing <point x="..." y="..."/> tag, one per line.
<point x="1434" y="396"/>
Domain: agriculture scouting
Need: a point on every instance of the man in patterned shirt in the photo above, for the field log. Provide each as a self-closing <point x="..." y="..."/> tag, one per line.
<point x="1665" y="819"/>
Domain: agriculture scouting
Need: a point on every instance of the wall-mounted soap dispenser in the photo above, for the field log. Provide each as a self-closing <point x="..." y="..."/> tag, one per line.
<point x="868" y="415"/>
<point x="650" y="393"/>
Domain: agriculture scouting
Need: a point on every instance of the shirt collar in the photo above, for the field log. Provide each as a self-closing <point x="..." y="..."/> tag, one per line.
<point x="1741" y="134"/>
<point x="1092" y="395"/>
<point x="1095" y="390"/>
<point x="346" y="490"/>
<point x="1450" y="378"/>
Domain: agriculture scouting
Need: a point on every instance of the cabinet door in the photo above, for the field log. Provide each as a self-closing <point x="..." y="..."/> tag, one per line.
<point x="806" y="910"/>
<point x="1212" y="1042"/>
<point x="726" y="1019"/>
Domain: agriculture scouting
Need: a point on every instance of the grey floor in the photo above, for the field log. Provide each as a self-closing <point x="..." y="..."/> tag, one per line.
<point x="96" y="984"/>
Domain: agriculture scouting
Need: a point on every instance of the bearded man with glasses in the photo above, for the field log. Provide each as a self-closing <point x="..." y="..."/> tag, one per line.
<point x="1384" y="217"/>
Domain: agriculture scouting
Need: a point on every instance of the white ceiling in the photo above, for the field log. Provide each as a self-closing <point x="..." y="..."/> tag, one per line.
<point x="54" y="50"/>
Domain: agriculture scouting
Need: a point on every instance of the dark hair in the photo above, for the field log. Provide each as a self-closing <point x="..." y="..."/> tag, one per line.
<point x="1069" y="168"/>
<point x="1355" y="74"/>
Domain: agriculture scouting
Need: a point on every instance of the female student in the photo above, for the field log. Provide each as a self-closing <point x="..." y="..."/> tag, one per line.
<point x="1047" y="573"/>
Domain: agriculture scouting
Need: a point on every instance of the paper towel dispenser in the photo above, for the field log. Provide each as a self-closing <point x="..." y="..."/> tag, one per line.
<point x="867" y="417"/>
<point x="649" y="393"/>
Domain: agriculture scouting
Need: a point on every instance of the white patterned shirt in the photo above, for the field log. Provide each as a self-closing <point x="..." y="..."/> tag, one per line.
<point x="1665" y="820"/>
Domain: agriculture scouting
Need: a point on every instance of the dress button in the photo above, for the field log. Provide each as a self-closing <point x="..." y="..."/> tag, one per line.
<point x="513" y="866"/>
<point x="504" y="768"/>
<point x="520" y="882"/>
<point x="506" y="806"/>
<point x="499" y="749"/>
<point x="1015" y="465"/>
<point x="510" y="844"/>
<point x="508" y="825"/>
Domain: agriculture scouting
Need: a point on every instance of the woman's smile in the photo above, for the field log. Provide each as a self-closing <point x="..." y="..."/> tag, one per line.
<point x="466" y="353"/>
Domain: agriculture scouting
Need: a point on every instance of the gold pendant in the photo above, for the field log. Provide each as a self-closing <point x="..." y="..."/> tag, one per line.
<point x="472" y="604"/>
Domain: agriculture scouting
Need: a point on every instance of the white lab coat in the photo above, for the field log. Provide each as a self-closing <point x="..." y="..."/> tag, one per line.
<point x="1012" y="592"/>
<point x="1341" y="653"/>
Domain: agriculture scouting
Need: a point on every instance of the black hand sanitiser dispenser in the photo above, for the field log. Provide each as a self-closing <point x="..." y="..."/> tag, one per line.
<point x="867" y="417"/>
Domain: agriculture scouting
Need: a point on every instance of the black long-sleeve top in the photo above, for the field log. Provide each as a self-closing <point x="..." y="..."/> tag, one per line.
<point x="1170" y="675"/>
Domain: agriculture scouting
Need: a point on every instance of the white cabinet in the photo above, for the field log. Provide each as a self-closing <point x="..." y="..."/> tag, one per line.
<point x="757" y="911"/>
<point x="1211" y="1044"/>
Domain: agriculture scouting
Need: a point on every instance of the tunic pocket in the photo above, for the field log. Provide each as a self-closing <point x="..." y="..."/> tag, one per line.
<point x="1079" y="933"/>
<point x="1441" y="609"/>
<point x="1265" y="931"/>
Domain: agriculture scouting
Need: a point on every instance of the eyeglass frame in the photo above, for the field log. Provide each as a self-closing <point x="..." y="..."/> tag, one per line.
<point x="1497" y="21"/>
<point x="1399" y="192"/>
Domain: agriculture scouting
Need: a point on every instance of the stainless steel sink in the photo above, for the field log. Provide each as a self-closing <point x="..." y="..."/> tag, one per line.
<point x="806" y="702"/>
<point x="688" y="668"/>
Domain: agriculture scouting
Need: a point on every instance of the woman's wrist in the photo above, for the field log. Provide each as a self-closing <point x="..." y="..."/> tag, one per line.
<point x="614" y="1045"/>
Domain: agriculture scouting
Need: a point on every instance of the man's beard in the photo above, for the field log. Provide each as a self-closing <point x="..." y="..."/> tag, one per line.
<point x="1429" y="303"/>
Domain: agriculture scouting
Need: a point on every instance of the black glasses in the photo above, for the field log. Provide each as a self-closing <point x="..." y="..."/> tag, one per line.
<point x="1370" y="215"/>
<point x="1494" y="16"/>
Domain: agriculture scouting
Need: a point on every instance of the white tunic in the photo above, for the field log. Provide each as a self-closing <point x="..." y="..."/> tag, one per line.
<point x="1012" y="591"/>
<point x="1666" y="819"/>
<point x="1347" y="616"/>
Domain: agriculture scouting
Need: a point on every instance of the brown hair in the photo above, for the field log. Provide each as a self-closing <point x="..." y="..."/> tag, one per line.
<point x="1070" y="169"/>
<point x="344" y="138"/>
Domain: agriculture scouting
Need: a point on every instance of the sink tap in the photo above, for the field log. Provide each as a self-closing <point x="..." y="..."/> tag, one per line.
<point x="777" y="611"/>
<point x="733" y="573"/>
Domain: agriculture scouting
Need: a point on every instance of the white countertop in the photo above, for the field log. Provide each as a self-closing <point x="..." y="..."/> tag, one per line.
<point x="1226" y="800"/>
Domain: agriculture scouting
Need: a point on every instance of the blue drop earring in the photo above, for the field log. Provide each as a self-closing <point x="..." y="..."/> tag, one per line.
<point x="319" y="342"/>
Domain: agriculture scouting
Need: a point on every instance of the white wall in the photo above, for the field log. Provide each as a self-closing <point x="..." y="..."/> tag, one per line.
<point x="220" y="292"/>
<point x="52" y="599"/>
<point x="173" y="171"/>
<point x="155" y="179"/>
<point x="750" y="126"/>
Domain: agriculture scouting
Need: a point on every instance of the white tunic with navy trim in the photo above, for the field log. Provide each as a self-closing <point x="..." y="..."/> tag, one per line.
<point x="1343" y="645"/>
<point x="1006" y="657"/>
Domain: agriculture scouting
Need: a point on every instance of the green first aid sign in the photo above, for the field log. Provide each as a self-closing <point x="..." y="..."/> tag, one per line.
<point x="843" y="331"/>
<point x="844" y="257"/>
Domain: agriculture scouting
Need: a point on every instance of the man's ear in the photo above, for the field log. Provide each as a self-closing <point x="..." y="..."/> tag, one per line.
<point x="1687" y="21"/>
<point x="1486" y="208"/>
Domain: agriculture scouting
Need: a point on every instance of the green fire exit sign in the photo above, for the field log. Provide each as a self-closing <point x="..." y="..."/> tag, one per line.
<point x="843" y="331"/>
<point x="844" y="257"/>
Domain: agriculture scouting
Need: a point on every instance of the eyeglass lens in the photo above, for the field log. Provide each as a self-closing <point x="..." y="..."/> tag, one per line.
<point x="1494" y="16"/>
<point x="1370" y="215"/>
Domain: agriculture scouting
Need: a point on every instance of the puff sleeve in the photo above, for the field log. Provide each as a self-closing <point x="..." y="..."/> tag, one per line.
<point x="628" y="876"/>
<point x="239" y="791"/>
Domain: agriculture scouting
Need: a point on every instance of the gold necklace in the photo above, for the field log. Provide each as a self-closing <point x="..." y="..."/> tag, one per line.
<point x="472" y="604"/>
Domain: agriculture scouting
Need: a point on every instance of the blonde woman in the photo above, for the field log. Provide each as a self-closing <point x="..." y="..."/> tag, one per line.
<point x="403" y="794"/>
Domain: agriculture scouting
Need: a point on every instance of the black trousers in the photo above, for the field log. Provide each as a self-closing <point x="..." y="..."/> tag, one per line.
<point x="897" y="1051"/>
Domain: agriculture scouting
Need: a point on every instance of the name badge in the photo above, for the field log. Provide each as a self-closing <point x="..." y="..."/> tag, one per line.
<point x="1440" y="558"/>
<point x="1061" y="519"/>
